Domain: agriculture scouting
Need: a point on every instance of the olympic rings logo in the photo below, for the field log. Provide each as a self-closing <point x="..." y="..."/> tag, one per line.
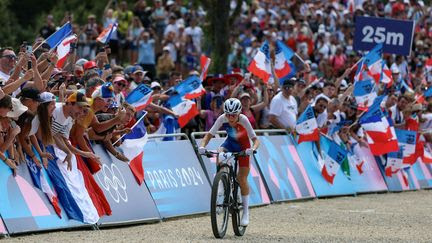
<point x="113" y="182"/>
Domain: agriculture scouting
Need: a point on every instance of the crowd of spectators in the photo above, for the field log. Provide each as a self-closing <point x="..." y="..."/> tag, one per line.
<point x="160" y="45"/>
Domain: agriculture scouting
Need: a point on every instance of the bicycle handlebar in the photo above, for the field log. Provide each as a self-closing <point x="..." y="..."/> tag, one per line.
<point x="209" y="153"/>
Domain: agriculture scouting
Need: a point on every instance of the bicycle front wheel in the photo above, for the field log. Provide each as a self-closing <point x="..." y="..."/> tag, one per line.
<point x="237" y="212"/>
<point x="220" y="204"/>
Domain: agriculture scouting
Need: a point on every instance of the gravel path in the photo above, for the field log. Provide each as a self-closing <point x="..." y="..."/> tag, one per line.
<point x="390" y="217"/>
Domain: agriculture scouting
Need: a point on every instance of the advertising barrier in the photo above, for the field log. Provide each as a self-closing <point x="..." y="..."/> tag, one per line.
<point x="283" y="169"/>
<point x="3" y="230"/>
<point x="309" y="155"/>
<point x="423" y="172"/>
<point x="23" y="207"/>
<point x="366" y="177"/>
<point x="175" y="178"/>
<point x="403" y="180"/>
<point x="258" y="192"/>
<point x="396" y="35"/>
<point x="129" y="201"/>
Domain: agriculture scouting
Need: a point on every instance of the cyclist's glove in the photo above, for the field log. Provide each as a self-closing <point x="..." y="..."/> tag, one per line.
<point x="249" y="151"/>
<point x="201" y="150"/>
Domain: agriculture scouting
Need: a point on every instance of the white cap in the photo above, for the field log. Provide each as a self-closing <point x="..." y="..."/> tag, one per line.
<point x="169" y="2"/>
<point x="81" y="61"/>
<point x="319" y="12"/>
<point x="291" y="22"/>
<point x="255" y="20"/>
<point x="166" y="48"/>
<point x="154" y="84"/>
<point x="47" y="97"/>
<point x="17" y="109"/>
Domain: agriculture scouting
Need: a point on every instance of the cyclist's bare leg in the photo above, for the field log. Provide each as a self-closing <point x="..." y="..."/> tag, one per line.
<point x="244" y="187"/>
<point x="242" y="179"/>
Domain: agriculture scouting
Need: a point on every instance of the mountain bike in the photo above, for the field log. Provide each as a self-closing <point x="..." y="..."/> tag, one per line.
<point x="225" y="195"/>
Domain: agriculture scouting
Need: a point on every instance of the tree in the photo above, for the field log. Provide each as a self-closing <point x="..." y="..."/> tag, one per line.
<point x="220" y="22"/>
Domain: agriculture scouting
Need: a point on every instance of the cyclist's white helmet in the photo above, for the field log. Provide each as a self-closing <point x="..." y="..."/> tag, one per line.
<point x="232" y="106"/>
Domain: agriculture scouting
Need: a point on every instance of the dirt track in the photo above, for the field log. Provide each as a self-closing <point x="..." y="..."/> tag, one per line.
<point x="390" y="217"/>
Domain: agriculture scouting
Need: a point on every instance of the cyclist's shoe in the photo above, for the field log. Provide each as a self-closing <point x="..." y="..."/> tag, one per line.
<point x="245" y="219"/>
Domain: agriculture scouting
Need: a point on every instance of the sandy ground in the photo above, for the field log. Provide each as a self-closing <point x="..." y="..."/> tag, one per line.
<point x="390" y="217"/>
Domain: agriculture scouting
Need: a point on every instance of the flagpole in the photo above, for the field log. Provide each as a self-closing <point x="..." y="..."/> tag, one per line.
<point x="136" y="123"/>
<point x="48" y="38"/>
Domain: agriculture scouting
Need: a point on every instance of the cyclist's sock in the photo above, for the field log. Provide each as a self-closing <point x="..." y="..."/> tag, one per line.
<point x="245" y="201"/>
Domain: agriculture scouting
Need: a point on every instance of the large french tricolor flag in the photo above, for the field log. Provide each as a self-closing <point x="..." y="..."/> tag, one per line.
<point x="186" y="109"/>
<point x="140" y="97"/>
<point x="57" y="37"/>
<point x="284" y="67"/>
<point x="190" y="88"/>
<point x="332" y="161"/>
<point x="63" y="50"/>
<point x="132" y="148"/>
<point x="381" y="136"/>
<point x="205" y="64"/>
<point x="407" y="143"/>
<point x="39" y="178"/>
<point x="365" y="93"/>
<point x="307" y="126"/>
<point x="105" y="36"/>
<point x="260" y="64"/>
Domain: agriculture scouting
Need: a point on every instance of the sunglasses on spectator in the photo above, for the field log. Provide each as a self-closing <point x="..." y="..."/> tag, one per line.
<point x="121" y="84"/>
<point x="10" y="57"/>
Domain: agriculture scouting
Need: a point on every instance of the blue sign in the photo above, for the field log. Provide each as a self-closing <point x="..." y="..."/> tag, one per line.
<point x="283" y="169"/>
<point x="122" y="191"/>
<point x="175" y="178"/>
<point x="396" y="35"/>
<point x="309" y="156"/>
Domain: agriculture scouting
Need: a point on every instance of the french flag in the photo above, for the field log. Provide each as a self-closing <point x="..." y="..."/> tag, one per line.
<point x="39" y="180"/>
<point x="427" y="155"/>
<point x="132" y="148"/>
<point x="284" y="68"/>
<point x="190" y="88"/>
<point x="169" y="125"/>
<point x="307" y="126"/>
<point x="386" y="76"/>
<point x="140" y="97"/>
<point x="373" y="63"/>
<point x="380" y="135"/>
<point x="260" y="64"/>
<point x="57" y="37"/>
<point x="205" y="63"/>
<point x="105" y="36"/>
<point x="186" y="109"/>
<point x="63" y="50"/>
<point x="394" y="162"/>
<point x="407" y="143"/>
<point x="332" y="161"/>
<point x="364" y="93"/>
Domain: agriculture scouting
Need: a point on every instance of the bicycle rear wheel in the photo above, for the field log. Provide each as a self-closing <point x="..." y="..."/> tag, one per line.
<point x="220" y="204"/>
<point x="237" y="212"/>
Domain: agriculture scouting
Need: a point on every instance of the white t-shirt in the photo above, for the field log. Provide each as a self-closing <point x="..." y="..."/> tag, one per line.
<point x="60" y="123"/>
<point x="426" y="125"/>
<point x="284" y="109"/>
<point x="196" y="33"/>
<point x="322" y="119"/>
<point x="34" y="125"/>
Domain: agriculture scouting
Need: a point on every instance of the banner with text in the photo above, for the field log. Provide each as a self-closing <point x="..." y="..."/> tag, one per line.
<point x="175" y="178"/>
<point x="396" y="35"/>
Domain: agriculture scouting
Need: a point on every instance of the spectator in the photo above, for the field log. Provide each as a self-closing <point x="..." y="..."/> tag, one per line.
<point x="283" y="108"/>
<point x="134" y="34"/>
<point x="165" y="64"/>
<point x="146" y="54"/>
<point x="49" y="27"/>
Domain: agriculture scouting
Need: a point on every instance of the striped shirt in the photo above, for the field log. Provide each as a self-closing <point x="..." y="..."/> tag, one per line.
<point x="61" y="124"/>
